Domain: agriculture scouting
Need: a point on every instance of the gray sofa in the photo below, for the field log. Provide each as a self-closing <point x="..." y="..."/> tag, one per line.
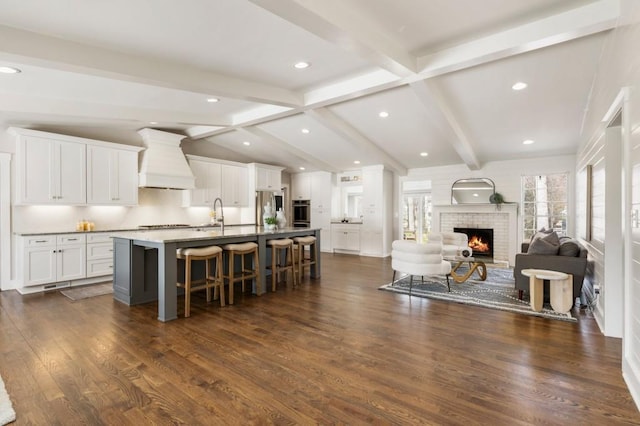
<point x="571" y="259"/>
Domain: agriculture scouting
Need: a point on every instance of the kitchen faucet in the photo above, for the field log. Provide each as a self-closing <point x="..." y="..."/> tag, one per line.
<point x="221" y="218"/>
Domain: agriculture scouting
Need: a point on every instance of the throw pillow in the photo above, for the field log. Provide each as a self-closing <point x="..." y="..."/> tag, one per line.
<point x="540" y="234"/>
<point x="545" y="245"/>
<point x="569" y="248"/>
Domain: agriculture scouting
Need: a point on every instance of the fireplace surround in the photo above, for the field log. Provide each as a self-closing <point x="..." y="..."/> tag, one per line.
<point x="504" y="223"/>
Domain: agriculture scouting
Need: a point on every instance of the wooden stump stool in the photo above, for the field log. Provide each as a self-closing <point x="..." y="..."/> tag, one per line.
<point x="560" y="289"/>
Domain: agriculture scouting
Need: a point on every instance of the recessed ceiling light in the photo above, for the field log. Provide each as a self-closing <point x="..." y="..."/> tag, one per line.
<point x="305" y="131"/>
<point x="356" y="162"/>
<point x="424" y="154"/>
<point x="301" y="168"/>
<point x="475" y="195"/>
<point x="519" y="86"/>
<point x="153" y="122"/>
<point x="213" y="100"/>
<point x="9" y="70"/>
<point x="383" y="114"/>
<point x="246" y="143"/>
<point x="302" y="65"/>
<point x="527" y="142"/>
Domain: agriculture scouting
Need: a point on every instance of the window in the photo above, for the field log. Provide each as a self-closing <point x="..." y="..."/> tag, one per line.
<point x="544" y="203"/>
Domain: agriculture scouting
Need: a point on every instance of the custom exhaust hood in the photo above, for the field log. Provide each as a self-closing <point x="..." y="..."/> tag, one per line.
<point x="163" y="164"/>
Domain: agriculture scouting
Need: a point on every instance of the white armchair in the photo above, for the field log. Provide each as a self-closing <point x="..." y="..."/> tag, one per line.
<point x="453" y="243"/>
<point x="413" y="258"/>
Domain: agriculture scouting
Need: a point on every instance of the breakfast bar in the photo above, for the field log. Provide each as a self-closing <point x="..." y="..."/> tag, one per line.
<point x="131" y="280"/>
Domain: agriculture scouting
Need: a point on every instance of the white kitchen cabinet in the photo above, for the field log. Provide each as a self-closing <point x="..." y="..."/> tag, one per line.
<point x="50" y="171"/>
<point x="268" y="178"/>
<point x="53" y="258"/>
<point x="321" y="186"/>
<point x="112" y="176"/>
<point x="345" y="237"/>
<point x="235" y="185"/>
<point x="301" y="186"/>
<point x="208" y="183"/>
<point x="99" y="255"/>
<point x="376" y="232"/>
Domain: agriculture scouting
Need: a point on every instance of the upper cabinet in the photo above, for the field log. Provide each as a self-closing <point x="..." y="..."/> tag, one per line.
<point x="50" y="171"/>
<point x="60" y="169"/>
<point x="208" y="183"/>
<point x="235" y="185"/>
<point x="301" y="186"/>
<point x="216" y="178"/>
<point x="112" y="176"/>
<point x="267" y="178"/>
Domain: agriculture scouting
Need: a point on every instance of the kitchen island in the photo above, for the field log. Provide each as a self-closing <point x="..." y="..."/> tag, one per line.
<point x="134" y="284"/>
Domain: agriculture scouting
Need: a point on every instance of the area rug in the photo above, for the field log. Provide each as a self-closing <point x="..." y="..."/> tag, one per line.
<point x="7" y="415"/>
<point x="87" y="291"/>
<point x="497" y="292"/>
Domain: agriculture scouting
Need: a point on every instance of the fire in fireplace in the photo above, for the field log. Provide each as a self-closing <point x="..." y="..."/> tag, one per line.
<point x="480" y="241"/>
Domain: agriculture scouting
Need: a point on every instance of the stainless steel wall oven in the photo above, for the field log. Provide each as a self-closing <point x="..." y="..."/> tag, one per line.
<point x="301" y="213"/>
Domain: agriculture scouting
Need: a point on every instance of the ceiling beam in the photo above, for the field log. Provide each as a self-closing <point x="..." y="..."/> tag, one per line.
<point x="35" y="49"/>
<point x="285" y="146"/>
<point x="10" y="102"/>
<point x="582" y="21"/>
<point x="350" y="134"/>
<point x="346" y="28"/>
<point x="427" y="92"/>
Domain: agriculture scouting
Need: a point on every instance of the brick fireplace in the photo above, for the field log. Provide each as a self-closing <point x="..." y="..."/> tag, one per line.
<point x="503" y="221"/>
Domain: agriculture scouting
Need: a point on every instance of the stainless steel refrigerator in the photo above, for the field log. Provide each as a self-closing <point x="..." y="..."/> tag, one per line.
<point x="262" y="198"/>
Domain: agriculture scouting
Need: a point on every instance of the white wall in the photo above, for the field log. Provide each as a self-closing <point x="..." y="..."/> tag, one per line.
<point x="506" y="176"/>
<point x="619" y="67"/>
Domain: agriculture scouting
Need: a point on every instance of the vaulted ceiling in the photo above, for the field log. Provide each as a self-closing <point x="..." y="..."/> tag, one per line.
<point x="443" y="70"/>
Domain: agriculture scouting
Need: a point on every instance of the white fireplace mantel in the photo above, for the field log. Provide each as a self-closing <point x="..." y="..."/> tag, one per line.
<point x="503" y="219"/>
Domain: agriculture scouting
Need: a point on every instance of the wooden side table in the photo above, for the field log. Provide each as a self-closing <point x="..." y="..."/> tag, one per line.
<point x="560" y="288"/>
<point x="474" y="266"/>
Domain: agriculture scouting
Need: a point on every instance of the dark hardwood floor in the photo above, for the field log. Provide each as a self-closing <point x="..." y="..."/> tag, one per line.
<point x="331" y="351"/>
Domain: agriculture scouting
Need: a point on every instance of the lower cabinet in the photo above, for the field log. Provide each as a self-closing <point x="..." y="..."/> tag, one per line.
<point x="61" y="260"/>
<point x="345" y="237"/>
<point x="99" y="255"/>
<point x="53" y="258"/>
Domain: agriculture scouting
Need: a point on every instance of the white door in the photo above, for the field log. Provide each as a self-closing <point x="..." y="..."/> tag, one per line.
<point x="126" y="171"/>
<point x="71" y="173"/>
<point x="71" y="262"/>
<point x="39" y="265"/>
<point x="35" y="176"/>
<point x="631" y="338"/>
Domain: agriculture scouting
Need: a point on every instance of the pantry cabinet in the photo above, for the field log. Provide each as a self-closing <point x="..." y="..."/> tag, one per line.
<point x="50" y="171"/>
<point x="112" y="176"/>
<point x="376" y="231"/>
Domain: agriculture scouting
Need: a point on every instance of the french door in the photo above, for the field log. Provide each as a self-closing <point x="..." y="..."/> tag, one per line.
<point x="416" y="220"/>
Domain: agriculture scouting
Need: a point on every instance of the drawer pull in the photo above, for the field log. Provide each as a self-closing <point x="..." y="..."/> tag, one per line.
<point x="41" y="241"/>
<point x="73" y="239"/>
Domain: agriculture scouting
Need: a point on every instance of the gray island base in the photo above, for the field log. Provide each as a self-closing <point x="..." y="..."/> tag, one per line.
<point x="134" y="282"/>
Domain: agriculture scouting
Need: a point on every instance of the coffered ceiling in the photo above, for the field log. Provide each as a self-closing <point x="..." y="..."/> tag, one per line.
<point x="441" y="69"/>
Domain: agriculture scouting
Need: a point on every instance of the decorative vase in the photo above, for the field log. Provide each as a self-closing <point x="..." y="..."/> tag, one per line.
<point x="281" y="219"/>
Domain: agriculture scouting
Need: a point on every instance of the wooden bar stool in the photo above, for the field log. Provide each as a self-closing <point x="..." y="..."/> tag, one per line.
<point x="281" y="262"/>
<point x="301" y="259"/>
<point x="210" y="280"/>
<point x="242" y="250"/>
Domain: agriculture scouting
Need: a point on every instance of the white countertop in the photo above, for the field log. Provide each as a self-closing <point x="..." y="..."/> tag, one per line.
<point x="182" y="234"/>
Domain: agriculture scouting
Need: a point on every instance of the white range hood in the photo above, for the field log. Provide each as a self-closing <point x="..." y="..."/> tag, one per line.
<point x="163" y="164"/>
